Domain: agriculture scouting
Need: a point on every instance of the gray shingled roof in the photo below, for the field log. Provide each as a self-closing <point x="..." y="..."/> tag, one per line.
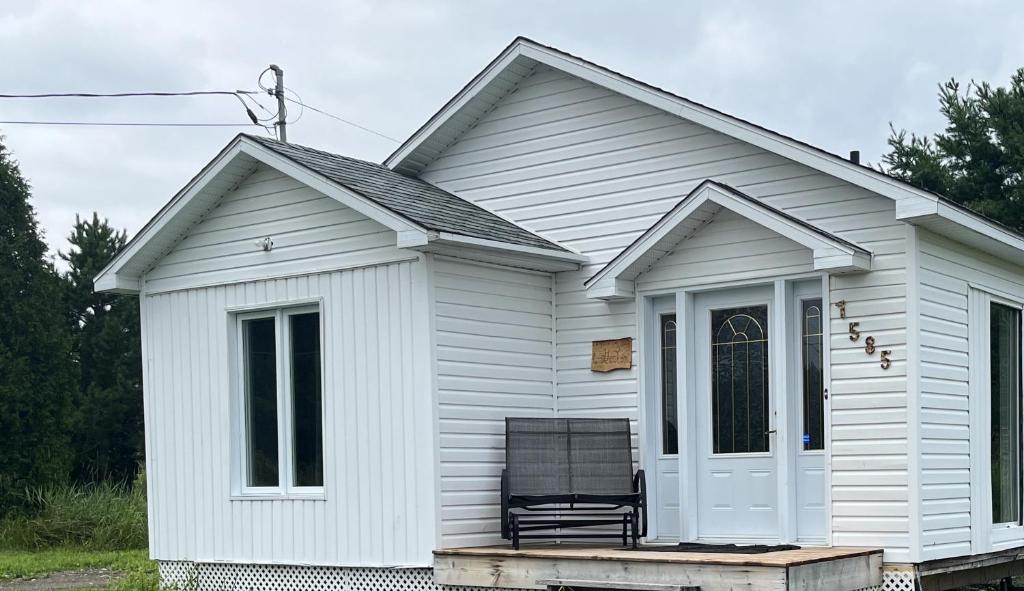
<point x="414" y="199"/>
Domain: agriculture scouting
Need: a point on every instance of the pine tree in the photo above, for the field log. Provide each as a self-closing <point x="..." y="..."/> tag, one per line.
<point x="107" y="432"/>
<point x="978" y="161"/>
<point x="37" y="373"/>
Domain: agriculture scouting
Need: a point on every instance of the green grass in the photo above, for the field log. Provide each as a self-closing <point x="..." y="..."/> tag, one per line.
<point x="103" y="516"/>
<point x="30" y="563"/>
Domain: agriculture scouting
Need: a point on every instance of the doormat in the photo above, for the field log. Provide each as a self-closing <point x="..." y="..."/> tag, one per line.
<point x="720" y="548"/>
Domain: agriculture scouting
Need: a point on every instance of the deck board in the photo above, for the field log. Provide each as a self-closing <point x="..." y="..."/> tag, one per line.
<point x="840" y="569"/>
<point x="782" y="558"/>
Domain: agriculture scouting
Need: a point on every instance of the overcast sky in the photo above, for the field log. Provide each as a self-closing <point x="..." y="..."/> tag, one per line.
<point x="830" y="73"/>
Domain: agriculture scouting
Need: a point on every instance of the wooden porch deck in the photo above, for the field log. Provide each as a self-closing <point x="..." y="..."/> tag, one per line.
<point x="592" y="566"/>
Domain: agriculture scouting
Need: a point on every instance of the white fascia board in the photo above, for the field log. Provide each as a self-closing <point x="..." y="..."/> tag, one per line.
<point x="966" y="219"/>
<point x="110" y="278"/>
<point x="346" y="197"/>
<point x="460" y="240"/>
<point x="835" y="261"/>
<point x="637" y="249"/>
<point x="610" y="288"/>
<point x="114" y="283"/>
<point x="496" y="67"/>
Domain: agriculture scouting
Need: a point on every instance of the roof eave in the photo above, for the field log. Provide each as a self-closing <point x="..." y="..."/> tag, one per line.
<point x="493" y="251"/>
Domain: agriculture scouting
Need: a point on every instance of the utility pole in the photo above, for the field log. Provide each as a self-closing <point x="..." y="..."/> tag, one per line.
<point x="282" y="113"/>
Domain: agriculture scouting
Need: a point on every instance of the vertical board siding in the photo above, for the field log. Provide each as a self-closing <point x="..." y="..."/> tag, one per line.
<point x="948" y="269"/>
<point x="494" y="339"/>
<point x="593" y="169"/>
<point x="377" y="439"/>
<point x="310" y="231"/>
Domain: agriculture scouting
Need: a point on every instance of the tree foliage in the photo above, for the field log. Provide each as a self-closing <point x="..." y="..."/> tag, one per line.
<point x="107" y="431"/>
<point x="37" y="373"/>
<point x="978" y="160"/>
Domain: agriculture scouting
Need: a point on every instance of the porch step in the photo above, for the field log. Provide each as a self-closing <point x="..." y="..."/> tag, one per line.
<point x="583" y="584"/>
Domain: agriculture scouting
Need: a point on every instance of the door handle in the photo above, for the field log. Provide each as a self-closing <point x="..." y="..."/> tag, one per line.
<point x="771" y="432"/>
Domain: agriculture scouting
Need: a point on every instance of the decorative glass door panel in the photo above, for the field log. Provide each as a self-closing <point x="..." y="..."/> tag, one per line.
<point x="740" y="415"/>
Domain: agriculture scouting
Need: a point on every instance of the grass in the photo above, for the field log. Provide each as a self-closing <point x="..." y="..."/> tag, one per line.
<point x="76" y="527"/>
<point x="31" y="563"/>
<point x="102" y="516"/>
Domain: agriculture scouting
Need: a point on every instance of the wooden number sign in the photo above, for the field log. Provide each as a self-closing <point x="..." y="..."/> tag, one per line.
<point x="612" y="354"/>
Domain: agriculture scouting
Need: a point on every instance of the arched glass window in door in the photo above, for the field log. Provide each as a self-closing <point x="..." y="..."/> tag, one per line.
<point x="740" y="402"/>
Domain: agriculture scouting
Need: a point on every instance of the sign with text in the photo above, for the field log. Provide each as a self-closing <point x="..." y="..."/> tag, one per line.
<point x="612" y="354"/>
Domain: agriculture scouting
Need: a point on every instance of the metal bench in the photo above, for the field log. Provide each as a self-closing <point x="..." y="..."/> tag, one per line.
<point x="571" y="473"/>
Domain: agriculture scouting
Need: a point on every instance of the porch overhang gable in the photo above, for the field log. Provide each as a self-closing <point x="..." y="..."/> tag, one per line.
<point x="616" y="279"/>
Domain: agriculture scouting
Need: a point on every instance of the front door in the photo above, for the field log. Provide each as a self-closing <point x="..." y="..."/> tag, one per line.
<point x="736" y="461"/>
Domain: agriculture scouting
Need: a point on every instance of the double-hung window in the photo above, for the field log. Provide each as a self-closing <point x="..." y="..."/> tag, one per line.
<point x="280" y="402"/>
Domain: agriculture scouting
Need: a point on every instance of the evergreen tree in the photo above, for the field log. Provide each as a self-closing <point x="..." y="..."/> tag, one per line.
<point x="978" y="161"/>
<point x="107" y="432"/>
<point x="37" y="373"/>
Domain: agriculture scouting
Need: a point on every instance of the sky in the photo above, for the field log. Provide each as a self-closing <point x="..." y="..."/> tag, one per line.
<point x="834" y="74"/>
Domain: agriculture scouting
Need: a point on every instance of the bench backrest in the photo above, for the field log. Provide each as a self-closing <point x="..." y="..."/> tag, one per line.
<point x="568" y="456"/>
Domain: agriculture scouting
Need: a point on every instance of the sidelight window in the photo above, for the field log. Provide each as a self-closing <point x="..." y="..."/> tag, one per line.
<point x="669" y="410"/>
<point x="812" y="376"/>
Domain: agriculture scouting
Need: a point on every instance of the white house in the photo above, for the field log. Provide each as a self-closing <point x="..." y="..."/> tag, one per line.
<point x="822" y="355"/>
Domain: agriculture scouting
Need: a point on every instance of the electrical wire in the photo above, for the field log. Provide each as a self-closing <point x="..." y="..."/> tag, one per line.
<point x="345" y="121"/>
<point x="126" y="124"/>
<point x="127" y="94"/>
<point x="299" y="102"/>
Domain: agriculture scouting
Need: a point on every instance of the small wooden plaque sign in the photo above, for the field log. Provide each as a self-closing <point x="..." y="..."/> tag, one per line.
<point x="612" y="354"/>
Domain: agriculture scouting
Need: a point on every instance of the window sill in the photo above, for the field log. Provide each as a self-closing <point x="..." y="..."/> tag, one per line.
<point x="319" y="496"/>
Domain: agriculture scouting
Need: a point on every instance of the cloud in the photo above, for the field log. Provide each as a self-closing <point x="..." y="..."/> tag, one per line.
<point x="833" y="74"/>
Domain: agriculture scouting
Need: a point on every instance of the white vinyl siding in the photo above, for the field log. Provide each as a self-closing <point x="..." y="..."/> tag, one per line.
<point x="377" y="407"/>
<point x="948" y="272"/>
<point x="310" y="231"/>
<point x="593" y="169"/>
<point x="493" y="342"/>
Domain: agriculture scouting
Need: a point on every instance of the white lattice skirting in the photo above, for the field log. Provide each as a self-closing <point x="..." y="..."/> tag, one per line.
<point x="202" y="576"/>
<point x="896" y="579"/>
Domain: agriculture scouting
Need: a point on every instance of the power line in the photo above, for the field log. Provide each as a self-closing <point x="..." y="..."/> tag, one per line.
<point x="346" y="121"/>
<point x="126" y="94"/>
<point x="126" y="124"/>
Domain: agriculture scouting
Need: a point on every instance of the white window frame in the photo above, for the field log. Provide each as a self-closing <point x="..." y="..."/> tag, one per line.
<point x="285" y="437"/>
<point x="986" y="536"/>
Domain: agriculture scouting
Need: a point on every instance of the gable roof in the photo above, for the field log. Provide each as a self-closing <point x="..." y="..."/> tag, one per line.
<point x="419" y="201"/>
<point x="615" y="280"/>
<point x="423" y="217"/>
<point x="502" y="75"/>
